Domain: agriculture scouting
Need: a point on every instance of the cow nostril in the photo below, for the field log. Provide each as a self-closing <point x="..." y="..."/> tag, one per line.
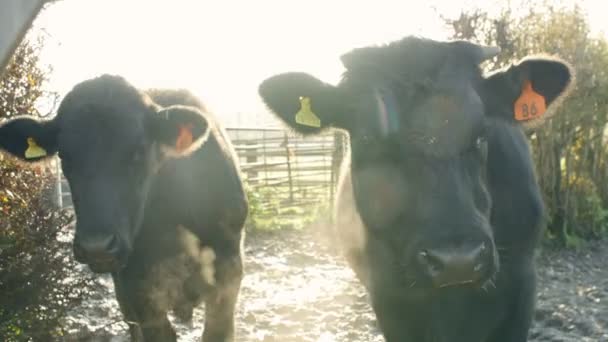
<point x="478" y="257"/>
<point x="454" y="265"/>
<point x="432" y="263"/>
<point x="113" y="244"/>
<point x="96" y="248"/>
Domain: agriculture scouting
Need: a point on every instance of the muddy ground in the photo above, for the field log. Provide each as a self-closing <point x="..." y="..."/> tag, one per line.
<point x="298" y="288"/>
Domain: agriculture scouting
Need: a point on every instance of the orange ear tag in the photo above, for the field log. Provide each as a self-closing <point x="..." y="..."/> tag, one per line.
<point x="184" y="138"/>
<point x="530" y="104"/>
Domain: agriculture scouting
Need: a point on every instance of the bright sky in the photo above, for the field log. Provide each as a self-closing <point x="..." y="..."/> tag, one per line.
<point x="223" y="49"/>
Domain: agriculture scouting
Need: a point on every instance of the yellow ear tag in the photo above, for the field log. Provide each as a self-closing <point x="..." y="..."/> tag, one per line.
<point x="33" y="150"/>
<point x="305" y="116"/>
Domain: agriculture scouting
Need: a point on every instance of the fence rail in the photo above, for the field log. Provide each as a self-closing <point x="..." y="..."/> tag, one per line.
<point x="285" y="170"/>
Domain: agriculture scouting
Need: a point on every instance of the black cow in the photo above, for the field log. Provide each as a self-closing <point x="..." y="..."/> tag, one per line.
<point x="439" y="210"/>
<point x="158" y="199"/>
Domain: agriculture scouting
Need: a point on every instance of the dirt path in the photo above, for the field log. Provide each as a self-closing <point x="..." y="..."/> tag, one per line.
<point x="298" y="289"/>
<point x="573" y="295"/>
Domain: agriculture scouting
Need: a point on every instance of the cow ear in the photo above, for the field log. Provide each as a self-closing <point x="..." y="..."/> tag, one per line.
<point x="29" y="138"/>
<point x="303" y="102"/>
<point x="180" y="130"/>
<point x="529" y="92"/>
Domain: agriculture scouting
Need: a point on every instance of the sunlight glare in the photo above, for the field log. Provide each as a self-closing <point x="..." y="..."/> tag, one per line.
<point x="221" y="50"/>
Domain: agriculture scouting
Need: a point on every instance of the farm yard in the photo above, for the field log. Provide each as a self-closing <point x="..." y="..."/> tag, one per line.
<point x="297" y="285"/>
<point x="299" y="289"/>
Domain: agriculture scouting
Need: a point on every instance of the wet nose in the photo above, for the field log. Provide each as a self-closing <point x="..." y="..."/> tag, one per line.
<point x="451" y="266"/>
<point x="96" y="249"/>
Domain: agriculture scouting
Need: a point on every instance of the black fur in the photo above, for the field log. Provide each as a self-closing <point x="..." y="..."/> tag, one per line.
<point x="15" y="132"/>
<point x="325" y="98"/>
<point x="451" y="171"/>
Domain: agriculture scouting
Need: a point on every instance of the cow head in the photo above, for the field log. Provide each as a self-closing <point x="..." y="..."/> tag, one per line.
<point x="418" y="113"/>
<point x="111" y="139"/>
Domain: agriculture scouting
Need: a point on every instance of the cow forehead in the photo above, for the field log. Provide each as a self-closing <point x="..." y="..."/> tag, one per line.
<point x="442" y="124"/>
<point x="411" y="60"/>
<point x="107" y="107"/>
<point x="445" y="125"/>
<point x="95" y="128"/>
<point x="422" y="92"/>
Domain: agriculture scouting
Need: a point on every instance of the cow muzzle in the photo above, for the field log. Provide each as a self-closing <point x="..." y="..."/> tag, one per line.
<point x="101" y="252"/>
<point x="448" y="266"/>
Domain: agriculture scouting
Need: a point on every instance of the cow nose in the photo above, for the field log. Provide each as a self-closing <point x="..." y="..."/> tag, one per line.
<point x="454" y="266"/>
<point x="95" y="249"/>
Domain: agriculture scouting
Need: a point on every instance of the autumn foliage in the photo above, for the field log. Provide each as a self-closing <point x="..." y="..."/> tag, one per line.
<point x="37" y="279"/>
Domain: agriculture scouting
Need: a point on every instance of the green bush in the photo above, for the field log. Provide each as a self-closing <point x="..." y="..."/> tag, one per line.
<point x="570" y="150"/>
<point x="589" y="217"/>
<point x="37" y="278"/>
<point x="269" y="209"/>
<point x="38" y="282"/>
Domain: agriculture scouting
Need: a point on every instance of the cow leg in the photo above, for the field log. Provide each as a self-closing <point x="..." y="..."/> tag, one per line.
<point x="393" y="328"/>
<point x="155" y="326"/>
<point x="126" y="307"/>
<point x="517" y="324"/>
<point x="396" y="324"/>
<point x="146" y="322"/>
<point x="221" y="303"/>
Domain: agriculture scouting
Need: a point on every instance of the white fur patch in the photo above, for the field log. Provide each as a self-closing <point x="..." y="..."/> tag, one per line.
<point x="207" y="257"/>
<point x="167" y="278"/>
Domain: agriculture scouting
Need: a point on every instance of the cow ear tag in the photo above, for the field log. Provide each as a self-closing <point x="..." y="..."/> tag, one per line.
<point x="305" y="115"/>
<point x="33" y="150"/>
<point x="184" y="138"/>
<point x="530" y="104"/>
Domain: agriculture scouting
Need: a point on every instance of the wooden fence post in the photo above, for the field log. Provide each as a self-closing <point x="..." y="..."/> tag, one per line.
<point x="251" y="157"/>
<point x="336" y="162"/>
<point x="289" y="175"/>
